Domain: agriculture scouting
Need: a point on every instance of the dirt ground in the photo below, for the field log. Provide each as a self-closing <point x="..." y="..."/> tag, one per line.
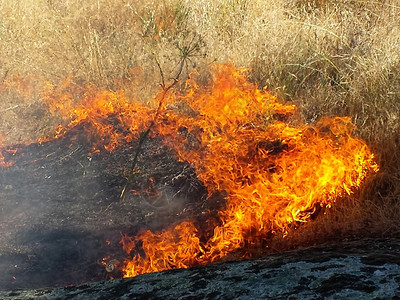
<point x="61" y="212"/>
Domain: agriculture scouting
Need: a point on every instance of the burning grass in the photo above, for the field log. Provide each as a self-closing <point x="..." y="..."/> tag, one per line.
<point x="276" y="171"/>
<point x="63" y="63"/>
<point x="275" y="175"/>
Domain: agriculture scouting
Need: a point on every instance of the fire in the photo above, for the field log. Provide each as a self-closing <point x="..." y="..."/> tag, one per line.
<point x="6" y="162"/>
<point x="178" y="247"/>
<point x="275" y="175"/>
<point x="110" y="118"/>
<point x="275" y="171"/>
<point x="3" y="163"/>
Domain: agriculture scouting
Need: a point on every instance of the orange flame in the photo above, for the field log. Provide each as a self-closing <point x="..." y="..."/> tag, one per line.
<point x="178" y="247"/>
<point x="275" y="171"/>
<point x="3" y="161"/>
<point x="275" y="175"/>
<point x="103" y="112"/>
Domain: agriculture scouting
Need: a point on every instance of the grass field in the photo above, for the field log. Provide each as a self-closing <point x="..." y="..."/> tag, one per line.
<point x="328" y="57"/>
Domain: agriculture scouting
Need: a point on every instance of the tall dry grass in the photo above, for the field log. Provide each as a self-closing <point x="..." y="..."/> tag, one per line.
<point x="328" y="57"/>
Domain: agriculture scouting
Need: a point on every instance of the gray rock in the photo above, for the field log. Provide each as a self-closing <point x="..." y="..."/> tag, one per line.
<point x="367" y="269"/>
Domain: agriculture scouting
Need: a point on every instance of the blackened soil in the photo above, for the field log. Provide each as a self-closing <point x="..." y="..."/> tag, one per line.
<point x="61" y="213"/>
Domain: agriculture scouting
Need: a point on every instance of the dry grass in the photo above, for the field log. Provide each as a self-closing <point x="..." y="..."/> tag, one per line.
<point x="329" y="57"/>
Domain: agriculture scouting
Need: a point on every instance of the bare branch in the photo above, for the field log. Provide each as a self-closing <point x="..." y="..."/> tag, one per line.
<point x="144" y="135"/>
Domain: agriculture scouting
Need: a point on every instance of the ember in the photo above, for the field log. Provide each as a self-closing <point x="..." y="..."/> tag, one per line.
<point x="275" y="171"/>
<point x="6" y="161"/>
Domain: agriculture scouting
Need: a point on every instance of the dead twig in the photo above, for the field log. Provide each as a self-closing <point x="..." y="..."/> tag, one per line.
<point x="10" y="108"/>
<point x="145" y="134"/>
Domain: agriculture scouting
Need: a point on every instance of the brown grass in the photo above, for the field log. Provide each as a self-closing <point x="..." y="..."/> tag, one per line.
<point x="329" y="57"/>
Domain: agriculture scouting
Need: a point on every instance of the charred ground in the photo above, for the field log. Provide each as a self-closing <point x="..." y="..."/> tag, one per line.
<point x="60" y="205"/>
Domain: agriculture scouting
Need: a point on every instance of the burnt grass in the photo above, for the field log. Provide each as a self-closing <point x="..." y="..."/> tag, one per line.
<point x="61" y="212"/>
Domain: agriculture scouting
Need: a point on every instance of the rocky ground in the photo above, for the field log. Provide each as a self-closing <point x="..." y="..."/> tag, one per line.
<point x="367" y="269"/>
